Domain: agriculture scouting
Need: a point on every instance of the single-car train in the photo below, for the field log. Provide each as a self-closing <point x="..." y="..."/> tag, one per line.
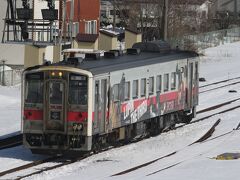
<point x="88" y="100"/>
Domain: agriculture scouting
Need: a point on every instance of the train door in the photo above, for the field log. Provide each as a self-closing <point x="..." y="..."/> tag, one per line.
<point x="190" y="83"/>
<point x="182" y="84"/>
<point x="55" y="109"/>
<point x="196" y="84"/>
<point x="103" y="104"/>
<point x="100" y="105"/>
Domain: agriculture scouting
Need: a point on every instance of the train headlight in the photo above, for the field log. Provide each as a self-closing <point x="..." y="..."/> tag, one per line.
<point x="60" y="74"/>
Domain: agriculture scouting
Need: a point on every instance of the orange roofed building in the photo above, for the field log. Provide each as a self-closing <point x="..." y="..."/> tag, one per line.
<point x="86" y="20"/>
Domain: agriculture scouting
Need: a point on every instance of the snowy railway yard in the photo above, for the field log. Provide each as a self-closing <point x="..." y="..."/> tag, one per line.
<point x="175" y="154"/>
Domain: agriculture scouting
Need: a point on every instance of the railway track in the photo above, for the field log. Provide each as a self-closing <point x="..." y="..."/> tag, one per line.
<point x="12" y="141"/>
<point x="219" y="82"/>
<point x="219" y="87"/>
<point x="61" y="162"/>
<point x="201" y="139"/>
<point x="205" y="138"/>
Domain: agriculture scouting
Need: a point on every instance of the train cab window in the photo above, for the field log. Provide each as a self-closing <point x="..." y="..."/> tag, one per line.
<point x="166" y="82"/>
<point x="127" y="91"/>
<point x="78" y="89"/>
<point x="116" y="92"/>
<point x="151" y="85"/>
<point x="159" y="83"/>
<point x="56" y="92"/>
<point x="34" y="88"/>
<point x="173" y="81"/>
<point x="143" y="87"/>
<point x="135" y="89"/>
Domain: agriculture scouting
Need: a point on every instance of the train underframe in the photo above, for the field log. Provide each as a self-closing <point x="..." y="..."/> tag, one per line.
<point x="76" y="144"/>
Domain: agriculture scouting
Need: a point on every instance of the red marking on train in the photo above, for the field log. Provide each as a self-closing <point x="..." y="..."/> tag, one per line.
<point x="153" y="100"/>
<point x="76" y="116"/>
<point x="32" y="114"/>
<point x="168" y="97"/>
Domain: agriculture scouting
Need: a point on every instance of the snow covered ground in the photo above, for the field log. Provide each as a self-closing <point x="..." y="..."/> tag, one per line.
<point x="192" y="162"/>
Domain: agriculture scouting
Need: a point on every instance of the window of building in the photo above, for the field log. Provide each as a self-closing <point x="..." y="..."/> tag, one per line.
<point x="75" y="29"/>
<point x="166" y="82"/>
<point x="173" y="81"/>
<point x="127" y="91"/>
<point x="116" y="92"/>
<point x="151" y="85"/>
<point x="91" y="27"/>
<point x="159" y="83"/>
<point x="135" y="89"/>
<point x="143" y="87"/>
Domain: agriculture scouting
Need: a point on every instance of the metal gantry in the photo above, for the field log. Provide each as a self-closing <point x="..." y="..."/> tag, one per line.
<point x="21" y="27"/>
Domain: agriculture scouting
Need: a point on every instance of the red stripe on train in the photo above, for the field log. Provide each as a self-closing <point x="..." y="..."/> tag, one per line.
<point x="153" y="100"/>
<point x="168" y="96"/>
<point x="77" y="116"/>
<point x="33" y="115"/>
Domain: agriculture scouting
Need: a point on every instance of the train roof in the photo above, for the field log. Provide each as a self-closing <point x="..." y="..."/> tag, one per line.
<point x="106" y="65"/>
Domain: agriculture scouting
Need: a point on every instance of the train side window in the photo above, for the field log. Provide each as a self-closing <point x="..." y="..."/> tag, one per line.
<point x="143" y="87"/>
<point x="116" y="92"/>
<point x="135" y="89"/>
<point x="166" y="82"/>
<point x="78" y="89"/>
<point x="127" y="91"/>
<point x="96" y="91"/>
<point x="173" y="81"/>
<point x="159" y="83"/>
<point x="151" y="85"/>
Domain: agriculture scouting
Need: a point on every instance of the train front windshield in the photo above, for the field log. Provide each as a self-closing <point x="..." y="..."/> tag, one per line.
<point x="56" y="92"/>
<point x="78" y="89"/>
<point x="34" y="88"/>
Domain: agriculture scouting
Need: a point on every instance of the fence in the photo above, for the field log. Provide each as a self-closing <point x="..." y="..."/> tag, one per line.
<point x="205" y="40"/>
<point x="10" y="77"/>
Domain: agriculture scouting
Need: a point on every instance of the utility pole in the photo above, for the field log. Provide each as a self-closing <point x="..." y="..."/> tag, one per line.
<point x="164" y="20"/>
<point x="71" y="21"/>
<point x="114" y="14"/>
<point x="235" y="9"/>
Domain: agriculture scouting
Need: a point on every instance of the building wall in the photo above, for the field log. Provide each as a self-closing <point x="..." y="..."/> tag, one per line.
<point x="6" y="50"/>
<point x="57" y="53"/>
<point x="86" y="45"/>
<point x="107" y="43"/>
<point x="131" y="38"/>
<point x="85" y="10"/>
<point x="33" y="55"/>
<point x="12" y="53"/>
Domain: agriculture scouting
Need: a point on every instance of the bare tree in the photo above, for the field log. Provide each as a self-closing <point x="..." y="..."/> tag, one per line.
<point x="144" y="15"/>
